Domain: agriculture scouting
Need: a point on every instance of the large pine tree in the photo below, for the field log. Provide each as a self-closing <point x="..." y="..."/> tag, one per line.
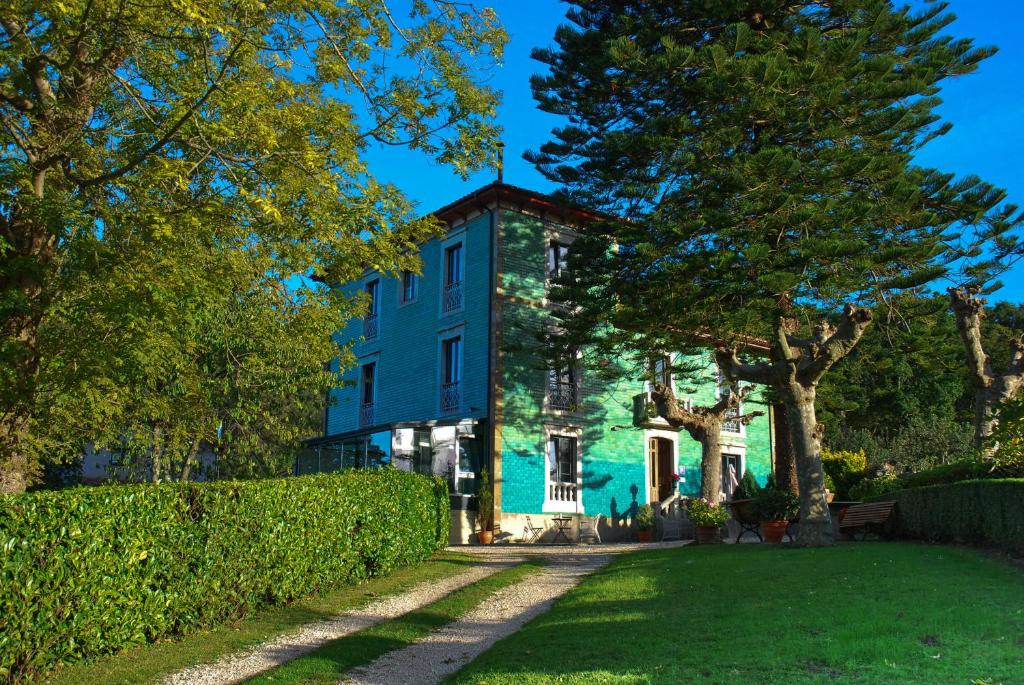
<point x="762" y="152"/>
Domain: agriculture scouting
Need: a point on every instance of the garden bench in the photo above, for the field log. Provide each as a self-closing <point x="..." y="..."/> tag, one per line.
<point x="865" y="518"/>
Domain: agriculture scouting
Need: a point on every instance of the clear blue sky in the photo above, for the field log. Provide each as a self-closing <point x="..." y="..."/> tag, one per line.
<point x="986" y="109"/>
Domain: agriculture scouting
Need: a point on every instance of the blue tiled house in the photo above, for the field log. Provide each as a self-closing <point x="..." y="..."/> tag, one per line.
<point x="442" y="387"/>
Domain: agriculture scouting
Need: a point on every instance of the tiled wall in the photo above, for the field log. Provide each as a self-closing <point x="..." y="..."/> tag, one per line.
<point x="407" y="348"/>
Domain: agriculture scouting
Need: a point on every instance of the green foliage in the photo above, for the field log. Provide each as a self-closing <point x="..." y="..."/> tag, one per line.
<point x="983" y="512"/>
<point x="704" y="513"/>
<point x="748" y="487"/>
<point x="844" y="468"/>
<point x="90" y="571"/>
<point x="645" y="517"/>
<point x="874" y="487"/>
<point x="776" y="504"/>
<point x="1008" y="440"/>
<point x="485" y="502"/>
<point x="178" y="175"/>
<point x="918" y="441"/>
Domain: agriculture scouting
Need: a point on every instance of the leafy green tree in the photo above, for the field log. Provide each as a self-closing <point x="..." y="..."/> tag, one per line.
<point x="761" y="154"/>
<point x="241" y="123"/>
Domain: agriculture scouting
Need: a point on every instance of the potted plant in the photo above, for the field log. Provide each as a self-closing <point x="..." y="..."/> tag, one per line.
<point x="775" y="507"/>
<point x="645" y="523"/>
<point x="485" y="510"/>
<point x="708" y="519"/>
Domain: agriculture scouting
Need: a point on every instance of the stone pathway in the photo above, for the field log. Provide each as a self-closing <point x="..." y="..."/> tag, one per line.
<point x="240" y="666"/>
<point x="448" y="649"/>
<point x="445" y="650"/>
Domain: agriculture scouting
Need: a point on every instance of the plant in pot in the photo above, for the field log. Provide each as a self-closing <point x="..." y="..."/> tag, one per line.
<point x="485" y="510"/>
<point x="742" y="503"/>
<point x="645" y="523"/>
<point x="708" y="519"/>
<point x="774" y="508"/>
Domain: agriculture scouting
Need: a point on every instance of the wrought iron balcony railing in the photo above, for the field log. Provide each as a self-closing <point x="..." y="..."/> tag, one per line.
<point x="452" y="297"/>
<point x="562" y="396"/>
<point x="451" y="396"/>
<point x="366" y="414"/>
<point x="370" y="326"/>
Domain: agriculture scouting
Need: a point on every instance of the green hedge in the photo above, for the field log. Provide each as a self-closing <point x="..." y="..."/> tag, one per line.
<point x="92" y="570"/>
<point x="981" y="512"/>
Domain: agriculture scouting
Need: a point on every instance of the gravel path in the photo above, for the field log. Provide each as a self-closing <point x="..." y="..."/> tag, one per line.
<point x="450" y="648"/>
<point x="246" y="664"/>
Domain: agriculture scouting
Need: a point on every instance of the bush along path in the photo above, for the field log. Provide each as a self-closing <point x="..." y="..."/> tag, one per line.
<point x="246" y="664"/>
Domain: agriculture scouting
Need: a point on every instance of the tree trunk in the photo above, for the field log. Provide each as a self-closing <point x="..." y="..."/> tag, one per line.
<point x="156" y="462"/>
<point x="186" y="468"/>
<point x="711" y="463"/>
<point x="785" y="458"/>
<point x="815" y="521"/>
<point x="984" y="417"/>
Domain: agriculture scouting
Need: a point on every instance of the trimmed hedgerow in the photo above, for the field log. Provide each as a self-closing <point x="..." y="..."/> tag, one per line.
<point x="980" y="512"/>
<point x="90" y="571"/>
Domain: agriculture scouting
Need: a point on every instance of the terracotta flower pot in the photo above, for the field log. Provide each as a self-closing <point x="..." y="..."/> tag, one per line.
<point x="709" y="535"/>
<point x="644" y="535"/>
<point x="485" y="537"/>
<point x="774" y="531"/>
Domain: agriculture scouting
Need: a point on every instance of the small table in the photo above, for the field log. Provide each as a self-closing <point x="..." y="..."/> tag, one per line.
<point x="562" y="525"/>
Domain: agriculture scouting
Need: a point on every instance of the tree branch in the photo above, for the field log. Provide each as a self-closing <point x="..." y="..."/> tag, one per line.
<point x="829" y="346"/>
<point x="729" y="362"/>
<point x="969" y="310"/>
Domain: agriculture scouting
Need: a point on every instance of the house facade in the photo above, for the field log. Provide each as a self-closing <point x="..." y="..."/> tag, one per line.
<point x="445" y="383"/>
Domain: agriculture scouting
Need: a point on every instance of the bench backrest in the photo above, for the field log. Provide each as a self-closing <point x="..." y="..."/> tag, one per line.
<point x="864" y="514"/>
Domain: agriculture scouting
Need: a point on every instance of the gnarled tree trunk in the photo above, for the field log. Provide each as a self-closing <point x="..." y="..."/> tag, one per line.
<point x="711" y="463"/>
<point x="794" y="369"/>
<point x="990" y="389"/>
<point x="785" y="458"/>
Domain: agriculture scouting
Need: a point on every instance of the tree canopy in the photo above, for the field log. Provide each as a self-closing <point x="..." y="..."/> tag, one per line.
<point x="181" y="183"/>
<point x="761" y="154"/>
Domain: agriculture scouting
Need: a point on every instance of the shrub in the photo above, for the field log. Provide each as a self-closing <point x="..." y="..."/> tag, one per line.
<point x="968" y="469"/>
<point x="645" y="517"/>
<point x="89" y="571"/>
<point x="748" y="487"/>
<point x="485" y="502"/>
<point x="776" y="504"/>
<point x="705" y="514"/>
<point x="872" y="487"/>
<point x="845" y="468"/>
<point x="984" y="512"/>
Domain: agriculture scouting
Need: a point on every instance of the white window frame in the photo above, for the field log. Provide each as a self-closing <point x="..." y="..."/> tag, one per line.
<point x="443" y="335"/>
<point x="720" y="382"/>
<point x="554" y="506"/>
<point x="459" y="236"/>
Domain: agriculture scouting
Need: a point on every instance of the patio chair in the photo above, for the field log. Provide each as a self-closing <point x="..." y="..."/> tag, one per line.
<point x="589" y="531"/>
<point x="530" y="531"/>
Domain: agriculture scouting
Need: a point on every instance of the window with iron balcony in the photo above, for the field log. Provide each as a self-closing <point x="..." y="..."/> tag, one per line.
<point x="451" y="296"/>
<point x="367" y="394"/>
<point x="563" y="389"/>
<point x="451" y="376"/>
<point x="370" y="320"/>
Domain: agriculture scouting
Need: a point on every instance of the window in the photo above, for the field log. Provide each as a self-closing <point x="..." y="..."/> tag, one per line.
<point x="367" y="393"/>
<point x="422" y="451"/>
<point x="451" y="374"/>
<point x="731" y="423"/>
<point x="562" y="389"/>
<point x="410" y="283"/>
<point x="470" y="451"/>
<point x="453" y="264"/>
<point x="732" y="465"/>
<point x="663" y="371"/>
<point x="451" y="297"/>
<point x="563" y="459"/>
<point x="558" y="260"/>
<point x="370" y="320"/>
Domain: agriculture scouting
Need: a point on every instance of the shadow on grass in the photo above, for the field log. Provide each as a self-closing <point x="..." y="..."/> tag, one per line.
<point x="860" y="613"/>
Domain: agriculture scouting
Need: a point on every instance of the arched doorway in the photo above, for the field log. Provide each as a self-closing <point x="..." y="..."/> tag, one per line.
<point x="661" y="467"/>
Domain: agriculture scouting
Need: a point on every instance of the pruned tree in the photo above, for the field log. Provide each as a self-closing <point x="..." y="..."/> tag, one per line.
<point x="991" y="387"/>
<point x="762" y="157"/>
<point x="243" y="123"/>
<point x="704" y="424"/>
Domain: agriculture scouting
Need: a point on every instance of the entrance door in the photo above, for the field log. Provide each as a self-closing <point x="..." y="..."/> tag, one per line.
<point x="662" y="463"/>
<point x="731" y="473"/>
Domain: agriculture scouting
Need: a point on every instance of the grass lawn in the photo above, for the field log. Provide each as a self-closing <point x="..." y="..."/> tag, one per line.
<point x="854" y="613"/>
<point x="148" y="663"/>
<point x="327" y="664"/>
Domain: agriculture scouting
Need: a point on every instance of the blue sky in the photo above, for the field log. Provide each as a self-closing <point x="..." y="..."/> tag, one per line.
<point x="986" y="109"/>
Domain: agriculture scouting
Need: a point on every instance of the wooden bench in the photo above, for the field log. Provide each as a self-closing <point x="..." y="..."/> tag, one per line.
<point x="865" y="518"/>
